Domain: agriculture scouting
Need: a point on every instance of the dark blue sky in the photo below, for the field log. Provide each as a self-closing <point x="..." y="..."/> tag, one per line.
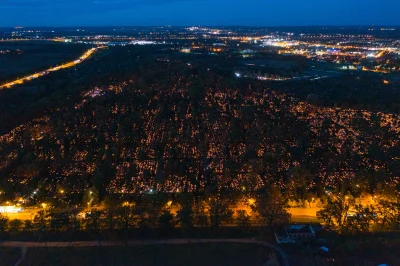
<point x="198" y="12"/>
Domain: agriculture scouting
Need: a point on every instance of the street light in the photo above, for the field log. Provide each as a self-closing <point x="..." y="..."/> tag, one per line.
<point x="251" y="201"/>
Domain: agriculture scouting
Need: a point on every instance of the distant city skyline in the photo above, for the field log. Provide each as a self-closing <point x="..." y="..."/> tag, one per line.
<point x="198" y="12"/>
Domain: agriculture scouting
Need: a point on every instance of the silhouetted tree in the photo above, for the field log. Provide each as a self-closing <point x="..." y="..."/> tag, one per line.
<point x="3" y="223"/>
<point x="185" y="217"/>
<point x="270" y="208"/>
<point x="15" y="226"/>
<point x="219" y="213"/>
<point x="242" y="219"/>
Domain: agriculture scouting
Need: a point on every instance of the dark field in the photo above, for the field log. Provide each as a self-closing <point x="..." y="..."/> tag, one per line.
<point x="26" y="57"/>
<point x="9" y="256"/>
<point x="197" y="254"/>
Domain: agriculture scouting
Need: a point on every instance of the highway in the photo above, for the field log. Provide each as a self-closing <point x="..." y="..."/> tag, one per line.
<point x="20" y="40"/>
<point x="83" y="57"/>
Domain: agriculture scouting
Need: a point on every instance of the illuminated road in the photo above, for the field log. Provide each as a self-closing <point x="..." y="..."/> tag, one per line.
<point x="305" y="215"/>
<point x="85" y="56"/>
<point x="24" y="215"/>
<point x="299" y="215"/>
<point x="21" y="40"/>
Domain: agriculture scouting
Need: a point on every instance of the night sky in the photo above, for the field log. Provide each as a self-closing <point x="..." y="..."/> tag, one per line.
<point x="198" y="12"/>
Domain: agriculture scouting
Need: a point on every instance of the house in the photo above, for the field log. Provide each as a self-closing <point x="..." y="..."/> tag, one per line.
<point x="294" y="232"/>
<point x="300" y="231"/>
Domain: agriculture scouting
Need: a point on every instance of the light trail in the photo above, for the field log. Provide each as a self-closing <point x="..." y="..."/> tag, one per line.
<point x="85" y="56"/>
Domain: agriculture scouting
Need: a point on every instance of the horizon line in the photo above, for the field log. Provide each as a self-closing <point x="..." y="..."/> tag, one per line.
<point x="194" y="25"/>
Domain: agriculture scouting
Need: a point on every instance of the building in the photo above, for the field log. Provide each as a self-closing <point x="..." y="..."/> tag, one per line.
<point x="10" y="209"/>
<point x="295" y="232"/>
<point x="300" y="231"/>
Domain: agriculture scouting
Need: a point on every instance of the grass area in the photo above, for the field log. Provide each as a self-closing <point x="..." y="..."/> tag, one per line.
<point x="9" y="256"/>
<point x="195" y="254"/>
<point x="31" y="56"/>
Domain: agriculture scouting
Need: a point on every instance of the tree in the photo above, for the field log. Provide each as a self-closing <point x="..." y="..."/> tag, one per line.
<point x="299" y="179"/>
<point x="342" y="214"/>
<point x="361" y="220"/>
<point x="3" y="223"/>
<point x="92" y="220"/>
<point x="219" y="213"/>
<point x="59" y="220"/>
<point x="166" y="220"/>
<point x="15" y="226"/>
<point x="28" y="226"/>
<point x="40" y="221"/>
<point x="111" y="208"/>
<point x="200" y="216"/>
<point x="336" y="212"/>
<point x="185" y="217"/>
<point x="91" y="197"/>
<point x="388" y="215"/>
<point x="126" y="217"/>
<point x="142" y="216"/>
<point x="270" y="207"/>
<point x="74" y="220"/>
<point x="243" y="219"/>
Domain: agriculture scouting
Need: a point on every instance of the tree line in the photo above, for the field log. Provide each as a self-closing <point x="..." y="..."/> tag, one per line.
<point x="268" y="210"/>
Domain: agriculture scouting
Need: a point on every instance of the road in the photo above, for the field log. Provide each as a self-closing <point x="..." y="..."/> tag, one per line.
<point x="19" y="40"/>
<point x="304" y="215"/>
<point x="299" y="215"/>
<point x="186" y="241"/>
<point x="24" y="215"/>
<point x="83" y="57"/>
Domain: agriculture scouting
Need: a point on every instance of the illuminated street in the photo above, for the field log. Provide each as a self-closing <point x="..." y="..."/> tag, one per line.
<point x="85" y="56"/>
<point x="298" y="214"/>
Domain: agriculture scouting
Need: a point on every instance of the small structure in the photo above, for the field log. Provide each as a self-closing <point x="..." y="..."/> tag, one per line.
<point x="10" y="209"/>
<point x="300" y="231"/>
<point x="294" y="232"/>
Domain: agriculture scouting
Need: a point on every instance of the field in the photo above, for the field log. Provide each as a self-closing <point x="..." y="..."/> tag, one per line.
<point x="198" y="254"/>
<point x="9" y="256"/>
<point x="25" y="57"/>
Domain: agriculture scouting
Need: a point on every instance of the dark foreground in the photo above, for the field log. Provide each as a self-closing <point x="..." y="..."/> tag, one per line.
<point x="195" y="254"/>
